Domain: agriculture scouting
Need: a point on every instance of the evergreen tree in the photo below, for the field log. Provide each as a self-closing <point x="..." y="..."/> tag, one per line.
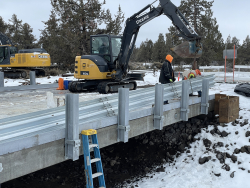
<point x="200" y="16"/>
<point x="159" y="49"/>
<point x="73" y="21"/>
<point x="28" y="38"/>
<point x="244" y="51"/>
<point x="14" y="30"/>
<point x="3" y="25"/>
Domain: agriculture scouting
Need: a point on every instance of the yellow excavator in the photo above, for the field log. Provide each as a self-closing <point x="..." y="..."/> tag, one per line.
<point x="16" y="64"/>
<point x="106" y="68"/>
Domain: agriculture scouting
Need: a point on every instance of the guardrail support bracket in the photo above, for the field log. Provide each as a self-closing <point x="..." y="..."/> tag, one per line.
<point x="123" y="115"/>
<point x="185" y="100"/>
<point x="158" y="109"/>
<point x="204" y="96"/>
<point x="72" y="141"/>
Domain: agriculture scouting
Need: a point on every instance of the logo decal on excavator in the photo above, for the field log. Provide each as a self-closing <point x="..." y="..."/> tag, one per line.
<point x="142" y="19"/>
<point x="42" y="56"/>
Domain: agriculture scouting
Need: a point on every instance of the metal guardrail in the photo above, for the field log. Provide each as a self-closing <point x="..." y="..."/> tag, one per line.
<point x="99" y="112"/>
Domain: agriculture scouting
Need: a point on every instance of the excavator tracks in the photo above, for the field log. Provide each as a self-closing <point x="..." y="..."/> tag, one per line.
<point x="102" y="87"/>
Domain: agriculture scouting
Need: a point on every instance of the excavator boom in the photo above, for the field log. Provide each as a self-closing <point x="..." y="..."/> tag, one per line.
<point x="133" y="24"/>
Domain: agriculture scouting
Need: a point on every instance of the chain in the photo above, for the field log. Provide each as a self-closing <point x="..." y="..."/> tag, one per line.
<point x="191" y="86"/>
<point x="174" y="90"/>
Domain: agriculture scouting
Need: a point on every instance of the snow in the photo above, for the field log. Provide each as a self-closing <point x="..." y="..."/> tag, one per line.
<point x="186" y="170"/>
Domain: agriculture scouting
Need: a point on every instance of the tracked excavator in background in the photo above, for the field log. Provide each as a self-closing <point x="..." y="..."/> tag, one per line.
<point x="106" y="68"/>
<point x="16" y="64"/>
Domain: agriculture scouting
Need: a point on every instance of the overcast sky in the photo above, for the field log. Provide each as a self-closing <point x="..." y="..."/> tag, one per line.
<point x="232" y="16"/>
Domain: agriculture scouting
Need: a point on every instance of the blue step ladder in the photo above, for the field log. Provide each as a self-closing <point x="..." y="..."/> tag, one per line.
<point x="87" y="160"/>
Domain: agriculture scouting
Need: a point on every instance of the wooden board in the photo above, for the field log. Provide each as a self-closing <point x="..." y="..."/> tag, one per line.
<point x="228" y="109"/>
<point x="216" y="102"/>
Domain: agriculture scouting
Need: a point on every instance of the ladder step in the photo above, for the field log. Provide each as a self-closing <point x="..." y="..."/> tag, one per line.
<point x="93" y="145"/>
<point x="95" y="160"/>
<point x="96" y="175"/>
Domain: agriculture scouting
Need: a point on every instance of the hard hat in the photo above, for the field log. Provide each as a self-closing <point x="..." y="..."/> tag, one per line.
<point x="169" y="58"/>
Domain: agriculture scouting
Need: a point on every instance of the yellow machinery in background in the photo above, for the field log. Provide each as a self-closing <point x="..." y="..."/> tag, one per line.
<point x="17" y="64"/>
<point x="106" y="68"/>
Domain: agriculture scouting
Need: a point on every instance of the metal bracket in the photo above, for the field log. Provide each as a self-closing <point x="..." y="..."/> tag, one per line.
<point x="185" y="100"/>
<point x="125" y="128"/>
<point x="123" y="115"/>
<point x="108" y="107"/>
<point x="158" y="109"/>
<point x="1" y="167"/>
<point x="75" y="143"/>
<point x="204" y="96"/>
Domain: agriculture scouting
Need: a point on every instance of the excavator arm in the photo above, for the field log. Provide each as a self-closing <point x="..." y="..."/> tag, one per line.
<point x="140" y="18"/>
<point x="4" y="40"/>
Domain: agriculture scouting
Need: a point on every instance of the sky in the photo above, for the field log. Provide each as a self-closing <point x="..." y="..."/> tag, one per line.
<point x="232" y="16"/>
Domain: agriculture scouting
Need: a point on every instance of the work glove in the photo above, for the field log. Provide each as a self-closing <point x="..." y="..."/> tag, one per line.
<point x="170" y="80"/>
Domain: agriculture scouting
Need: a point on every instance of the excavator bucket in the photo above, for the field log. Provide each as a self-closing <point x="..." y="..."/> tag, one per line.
<point x="188" y="49"/>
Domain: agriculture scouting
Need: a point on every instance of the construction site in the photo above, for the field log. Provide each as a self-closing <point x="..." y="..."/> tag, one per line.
<point x="110" y="122"/>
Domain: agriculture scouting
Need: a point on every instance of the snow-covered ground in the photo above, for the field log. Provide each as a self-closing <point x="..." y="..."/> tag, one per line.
<point x="186" y="171"/>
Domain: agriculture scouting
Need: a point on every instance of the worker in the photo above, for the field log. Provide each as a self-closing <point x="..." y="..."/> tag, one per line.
<point x="104" y="49"/>
<point x="167" y="73"/>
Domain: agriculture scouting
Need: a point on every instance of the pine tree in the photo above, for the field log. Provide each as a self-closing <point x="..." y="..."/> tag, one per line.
<point x="14" y="30"/>
<point x="159" y="49"/>
<point x="28" y="39"/>
<point x="3" y="25"/>
<point x="244" y="51"/>
<point x="200" y="16"/>
<point x="74" y="21"/>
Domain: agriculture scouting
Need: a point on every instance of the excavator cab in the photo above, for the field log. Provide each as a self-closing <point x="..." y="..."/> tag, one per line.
<point x="4" y="55"/>
<point x="106" y="46"/>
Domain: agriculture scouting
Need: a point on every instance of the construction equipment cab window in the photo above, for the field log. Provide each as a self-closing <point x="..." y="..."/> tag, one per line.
<point x="3" y="53"/>
<point x="100" y="45"/>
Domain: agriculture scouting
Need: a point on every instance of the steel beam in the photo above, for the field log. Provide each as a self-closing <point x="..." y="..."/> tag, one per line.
<point x="72" y="141"/>
<point x="185" y="100"/>
<point x="158" y="108"/>
<point x="205" y="96"/>
<point x="123" y="115"/>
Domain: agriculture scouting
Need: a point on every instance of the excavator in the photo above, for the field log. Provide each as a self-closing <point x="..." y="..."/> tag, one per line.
<point x="106" y="68"/>
<point x="16" y="64"/>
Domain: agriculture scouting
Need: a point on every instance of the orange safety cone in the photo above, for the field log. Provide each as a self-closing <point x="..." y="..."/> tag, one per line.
<point x="179" y="76"/>
<point x="60" y="84"/>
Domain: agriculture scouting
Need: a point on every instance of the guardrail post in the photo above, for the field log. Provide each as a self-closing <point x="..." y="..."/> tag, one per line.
<point x="32" y="78"/>
<point x="158" y="110"/>
<point x="123" y="115"/>
<point x="204" y="96"/>
<point x="1" y="79"/>
<point x="185" y="100"/>
<point x="72" y="141"/>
